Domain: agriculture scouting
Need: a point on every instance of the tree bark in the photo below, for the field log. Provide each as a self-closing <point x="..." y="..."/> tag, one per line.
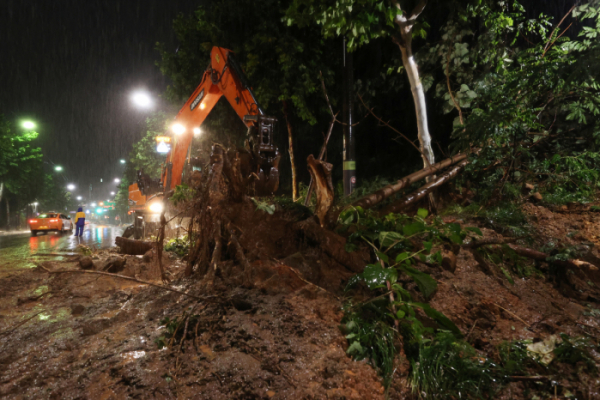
<point x="373" y="199"/>
<point x="320" y="173"/>
<point x="291" y="144"/>
<point x="424" y="190"/>
<point x="404" y="42"/>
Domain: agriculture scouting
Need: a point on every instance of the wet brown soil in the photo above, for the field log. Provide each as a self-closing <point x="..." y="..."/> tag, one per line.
<point x="94" y="337"/>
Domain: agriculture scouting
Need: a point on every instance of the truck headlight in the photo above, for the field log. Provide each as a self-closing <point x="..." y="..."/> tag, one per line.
<point x="156" y="208"/>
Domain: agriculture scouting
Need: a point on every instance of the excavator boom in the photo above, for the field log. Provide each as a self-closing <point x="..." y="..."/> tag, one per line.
<point x="223" y="77"/>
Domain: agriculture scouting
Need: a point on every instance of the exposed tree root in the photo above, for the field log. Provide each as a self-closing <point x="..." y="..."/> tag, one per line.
<point x="80" y="271"/>
<point x="320" y="173"/>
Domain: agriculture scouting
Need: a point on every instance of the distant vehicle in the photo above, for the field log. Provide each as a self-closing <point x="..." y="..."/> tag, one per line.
<point x="51" y="221"/>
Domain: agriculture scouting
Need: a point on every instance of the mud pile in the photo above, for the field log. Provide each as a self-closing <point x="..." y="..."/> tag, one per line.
<point x="270" y="331"/>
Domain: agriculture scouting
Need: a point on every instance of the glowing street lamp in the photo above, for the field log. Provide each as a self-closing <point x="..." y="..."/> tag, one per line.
<point x="197" y="131"/>
<point x="112" y="193"/>
<point x="70" y="186"/>
<point x="58" y="168"/>
<point x="78" y="197"/>
<point x="122" y="161"/>
<point x="117" y="180"/>
<point x="28" y="125"/>
<point x="93" y="204"/>
<point x="141" y="99"/>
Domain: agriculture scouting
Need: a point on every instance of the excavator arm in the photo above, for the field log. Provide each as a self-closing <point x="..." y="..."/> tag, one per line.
<point x="224" y="77"/>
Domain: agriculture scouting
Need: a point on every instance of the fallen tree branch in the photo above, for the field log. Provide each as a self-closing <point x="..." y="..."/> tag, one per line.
<point x="424" y="190"/>
<point x="539" y="256"/>
<point x="377" y="197"/>
<point x="513" y="314"/>
<point x="19" y="324"/>
<point x="78" y="271"/>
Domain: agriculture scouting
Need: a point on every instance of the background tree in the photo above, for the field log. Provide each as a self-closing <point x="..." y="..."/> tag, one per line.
<point x="20" y="162"/>
<point x="362" y="21"/>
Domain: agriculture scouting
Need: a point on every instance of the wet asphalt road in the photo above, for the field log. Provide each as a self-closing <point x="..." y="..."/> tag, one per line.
<point x="17" y="251"/>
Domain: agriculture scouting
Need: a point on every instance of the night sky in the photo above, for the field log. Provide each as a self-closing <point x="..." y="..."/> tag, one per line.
<point x="71" y="65"/>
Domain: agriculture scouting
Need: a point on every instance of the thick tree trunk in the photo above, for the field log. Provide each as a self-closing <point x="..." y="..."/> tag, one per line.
<point x="291" y="144"/>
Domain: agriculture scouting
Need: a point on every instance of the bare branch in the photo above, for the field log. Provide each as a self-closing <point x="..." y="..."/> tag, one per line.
<point x="389" y="126"/>
<point x="548" y="44"/>
<point x="417" y="10"/>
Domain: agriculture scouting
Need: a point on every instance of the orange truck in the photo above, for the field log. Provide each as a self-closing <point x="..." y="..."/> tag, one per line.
<point x="223" y="77"/>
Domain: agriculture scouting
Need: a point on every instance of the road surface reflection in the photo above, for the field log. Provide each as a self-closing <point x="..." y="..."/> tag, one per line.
<point x="18" y="251"/>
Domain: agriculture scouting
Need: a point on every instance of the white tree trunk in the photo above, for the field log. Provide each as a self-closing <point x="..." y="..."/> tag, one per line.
<point x="420" y="107"/>
<point x="405" y="23"/>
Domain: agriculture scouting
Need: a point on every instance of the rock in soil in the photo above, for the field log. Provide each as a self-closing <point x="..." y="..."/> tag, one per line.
<point x="86" y="263"/>
<point x="113" y="264"/>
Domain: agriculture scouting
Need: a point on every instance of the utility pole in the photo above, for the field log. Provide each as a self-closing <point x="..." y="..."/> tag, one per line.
<point x="347" y="118"/>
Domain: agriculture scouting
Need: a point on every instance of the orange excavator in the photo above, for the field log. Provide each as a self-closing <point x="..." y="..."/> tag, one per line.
<point x="223" y="77"/>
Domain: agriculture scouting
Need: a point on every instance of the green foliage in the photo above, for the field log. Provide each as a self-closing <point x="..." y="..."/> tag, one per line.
<point x="293" y="208"/>
<point x="262" y="205"/>
<point x="20" y="162"/>
<point x="183" y="193"/>
<point x="447" y="368"/>
<point x="576" y="350"/>
<point x="503" y="216"/>
<point x="369" y="331"/>
<point x="143" y="156"/>
<point x="399" y="243"/>
<point x="533" y="110"/>
<point x="359" y="20"/>
<point x="282" y="62"/>
<point x="179" y="246"/>
<point x="173" y="329"/>
<point x="122" y="196"/>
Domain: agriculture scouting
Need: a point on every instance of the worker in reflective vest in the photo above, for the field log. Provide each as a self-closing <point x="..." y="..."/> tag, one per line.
<point x="79" y="222"/>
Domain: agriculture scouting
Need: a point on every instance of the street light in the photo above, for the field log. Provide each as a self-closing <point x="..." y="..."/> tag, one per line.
<point x="78" y="197"/>
<point x="58" y="168"/>
<point x="70" y="186"/>
<point x="117" y="180"/>
<point x="141" y="99"/>
<point x="28" y="125"/>
<point x="112" y="193"/>
<point x="122" y="161"/>
<point x="93" y="204"/>
<point x="197" y="131"/>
